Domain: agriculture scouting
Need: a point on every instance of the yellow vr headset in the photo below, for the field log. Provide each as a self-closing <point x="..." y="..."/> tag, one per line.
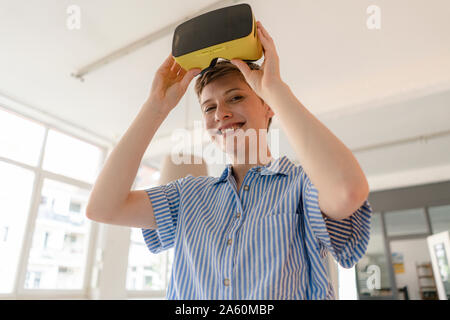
<point x="228" y="33"/>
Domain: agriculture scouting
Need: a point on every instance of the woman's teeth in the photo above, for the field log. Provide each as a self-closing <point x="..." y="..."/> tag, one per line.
<point x="232" y="129"/>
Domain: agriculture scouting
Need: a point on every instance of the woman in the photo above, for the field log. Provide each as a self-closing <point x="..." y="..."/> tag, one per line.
<point x="262" y="230"/>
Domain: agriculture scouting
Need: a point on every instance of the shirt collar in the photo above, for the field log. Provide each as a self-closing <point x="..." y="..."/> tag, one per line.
<point x="278" y="166"/>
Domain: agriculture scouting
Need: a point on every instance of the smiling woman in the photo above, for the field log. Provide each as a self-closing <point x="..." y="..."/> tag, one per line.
<point x="260" y="217"/>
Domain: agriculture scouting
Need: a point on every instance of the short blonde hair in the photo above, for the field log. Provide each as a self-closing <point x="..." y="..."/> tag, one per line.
<point x="222" y="68"/>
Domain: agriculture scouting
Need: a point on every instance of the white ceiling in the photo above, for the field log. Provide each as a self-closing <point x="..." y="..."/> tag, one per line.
<point x="328" y="56"/>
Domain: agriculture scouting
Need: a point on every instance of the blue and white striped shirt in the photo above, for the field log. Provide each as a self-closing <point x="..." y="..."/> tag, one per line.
<point x="267" y="241"/>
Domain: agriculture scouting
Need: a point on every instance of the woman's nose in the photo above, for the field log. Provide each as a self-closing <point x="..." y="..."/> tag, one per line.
<point x="222" y="112"/>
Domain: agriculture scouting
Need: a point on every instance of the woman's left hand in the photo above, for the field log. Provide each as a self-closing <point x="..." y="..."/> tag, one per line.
<point x="263" y="80"/>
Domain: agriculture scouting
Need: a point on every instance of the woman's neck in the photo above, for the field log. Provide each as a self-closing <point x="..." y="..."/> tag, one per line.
<point x="240" y="168"/>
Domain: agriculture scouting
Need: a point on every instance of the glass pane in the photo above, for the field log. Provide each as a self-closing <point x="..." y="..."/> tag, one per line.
<point x="71" y="157"/>
<point x="16" y="186"/>
<point x="20" y="139"/>
<point x="406" y="222"/>
<point x="373" y="268"/>
<point x="61" y="235"/>
<point x="444" y="270"/>
<point x="146" y="271"/>
<point x="440" y="218"/>
<point x="170" y="253"/>
<point x="347" y="283"/>
<point x="147" y="177"/>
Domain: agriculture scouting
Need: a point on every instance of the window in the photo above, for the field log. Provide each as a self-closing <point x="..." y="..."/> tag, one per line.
<point x="440" y="218"/>
<point x="33" y="279"/>
<point x="373" y="268"/>
<point x="347" y="288"/>
<point x="75" y="207"/>
<point x="47" y="234"/>
<point x="170" y="261"/>
<point x="146" y="177"/>
<point x="20" y="139"/>
<point x="56" y="250"/>
<point x="65" y="238"/>
<point x="71" y="157"/>
<point x="406" y="222"/>
<point x="16" y="186"/>
<point x="4" y="234"/>
<point x="146" y="271"/>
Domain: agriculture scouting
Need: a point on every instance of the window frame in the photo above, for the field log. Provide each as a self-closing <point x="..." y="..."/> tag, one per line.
<point x="19" y="291"/>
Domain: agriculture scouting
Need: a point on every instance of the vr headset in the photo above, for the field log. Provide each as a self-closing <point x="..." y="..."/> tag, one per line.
<point x="228" y="33"/>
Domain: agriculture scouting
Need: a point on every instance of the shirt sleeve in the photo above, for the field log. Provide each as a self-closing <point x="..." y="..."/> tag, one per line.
<point x="346" y="239"/>
<point x="165" y="201"/>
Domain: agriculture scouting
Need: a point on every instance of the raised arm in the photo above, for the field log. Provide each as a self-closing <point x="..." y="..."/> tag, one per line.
<point x="331" y="166"/>
<point x="111" y="200"/>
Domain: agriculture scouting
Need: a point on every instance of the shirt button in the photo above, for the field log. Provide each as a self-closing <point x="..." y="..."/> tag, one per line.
<point x="229" y="241"/>
<point x="246" y="187"/>
<point x="238" y="215"/>
<point x="226" y="282"/>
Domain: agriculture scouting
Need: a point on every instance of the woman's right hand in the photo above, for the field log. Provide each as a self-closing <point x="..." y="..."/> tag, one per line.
<point x="170" y="83"/>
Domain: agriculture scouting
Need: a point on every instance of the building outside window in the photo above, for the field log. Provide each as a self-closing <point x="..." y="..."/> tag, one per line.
<point x="146" y="271"/>
<point x="65" y="233"/>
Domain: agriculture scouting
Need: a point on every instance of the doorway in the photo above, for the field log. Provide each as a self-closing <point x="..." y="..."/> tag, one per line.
<point x="411" y="262"/>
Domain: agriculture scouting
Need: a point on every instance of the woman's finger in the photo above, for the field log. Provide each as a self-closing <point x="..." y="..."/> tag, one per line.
<point x="180" y="75"/>
<point x="168" y="60"/>
<point x="242" y="66"/>
<point x="182" y="72"/>
<point x="267" y="46"/>
<point x="167" y="63"/>
<point x="174" y="70"/>
<point x="188" y="76"/>
<point x="264" y="31"/>
<point x="175" y="67"/>
<point x="265" y="39"/>
<point x="259" y="28"/>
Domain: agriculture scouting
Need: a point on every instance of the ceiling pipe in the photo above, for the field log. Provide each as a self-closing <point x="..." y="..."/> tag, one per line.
<point x="119" y="53"/>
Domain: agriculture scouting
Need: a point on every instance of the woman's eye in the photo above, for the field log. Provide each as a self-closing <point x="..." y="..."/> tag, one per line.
<point x="207" y="109"/>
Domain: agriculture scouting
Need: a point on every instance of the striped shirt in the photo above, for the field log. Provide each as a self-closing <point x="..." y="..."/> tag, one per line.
<point x="269" y="240"/>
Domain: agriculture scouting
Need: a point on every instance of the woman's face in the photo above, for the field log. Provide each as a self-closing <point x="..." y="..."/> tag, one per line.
<point x="231" y="111"/>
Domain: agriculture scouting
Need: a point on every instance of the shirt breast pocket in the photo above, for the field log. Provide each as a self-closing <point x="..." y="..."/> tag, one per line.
<point x="270" y="235"/>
